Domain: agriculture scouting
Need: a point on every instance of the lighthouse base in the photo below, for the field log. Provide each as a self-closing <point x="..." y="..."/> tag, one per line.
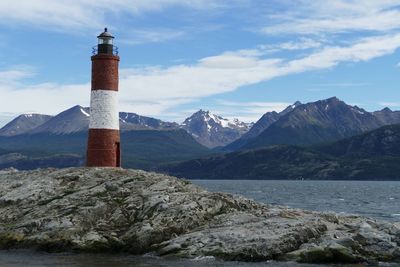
<point x="103" y="148"/>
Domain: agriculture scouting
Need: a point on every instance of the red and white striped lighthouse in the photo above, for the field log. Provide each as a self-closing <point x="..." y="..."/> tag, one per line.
<point x="103" y="148"/>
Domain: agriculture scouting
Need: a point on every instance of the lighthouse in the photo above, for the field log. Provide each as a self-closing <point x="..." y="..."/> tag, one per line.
<point x="103" y="147"/>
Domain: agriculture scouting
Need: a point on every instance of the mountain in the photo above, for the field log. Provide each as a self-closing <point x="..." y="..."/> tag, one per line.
<point x="76" y="119"/>
<point x="387" y="116"/>
<point x="24" y="123"/>
<point x="61" y="142"/>
<point x="73" y="120"/>
<point x="147" y="149"/>
<point x="212" y="130"/>
<point x="275" y="162"/>
<point x="143" y="149"/>
<point x="370" y="156"/>
<point x="384" y="141"/>
<point x="208" y="129"/>
<point x="23" y="162"/>
<point x="290" y="108"/>
<point x="130" y="121"/>
<point x="262" y="124"/>
<point x="318" y="122"/>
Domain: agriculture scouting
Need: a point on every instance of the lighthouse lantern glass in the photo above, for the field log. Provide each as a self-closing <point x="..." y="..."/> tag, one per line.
<point x="106" y="40"/>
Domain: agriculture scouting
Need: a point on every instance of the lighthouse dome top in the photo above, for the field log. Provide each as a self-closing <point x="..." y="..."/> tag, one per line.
<point x="105" y="34"/>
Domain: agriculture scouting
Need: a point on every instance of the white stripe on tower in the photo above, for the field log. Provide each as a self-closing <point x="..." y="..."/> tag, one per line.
<point x="104" y="110"/>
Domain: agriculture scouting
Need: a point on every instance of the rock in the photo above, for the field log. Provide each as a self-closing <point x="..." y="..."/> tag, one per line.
<point x="105" y="209"/>
<point x="324" y="253"/>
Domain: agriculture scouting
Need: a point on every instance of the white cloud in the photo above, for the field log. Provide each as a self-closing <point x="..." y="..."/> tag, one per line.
<point x="15" y="74"/>
<point x="248" y="111"/>
<point x="155" y="90"/>
<point x="301" y="44"/>
<point x="227" y="72"/>
<point x="256" y="107"/>
<point x="268" y="49"/>
<point x="363" y="50"/>
<point x="42" y="98"/>
<point x="389" y="104"/>
<point x="304" y="43"/>
<point x="337" y="16"/>
<point x="137" y="37"/>
<point x="84" y="14"/>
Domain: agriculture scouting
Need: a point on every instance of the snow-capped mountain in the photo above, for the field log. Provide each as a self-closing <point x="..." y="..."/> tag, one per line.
<point x="23" y="123"/>
<point x="212" y="130"/>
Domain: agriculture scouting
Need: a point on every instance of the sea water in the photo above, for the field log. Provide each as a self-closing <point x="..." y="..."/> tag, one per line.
<point x="380" y="200"/>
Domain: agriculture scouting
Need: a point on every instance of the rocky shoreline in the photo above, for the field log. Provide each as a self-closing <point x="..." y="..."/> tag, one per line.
<point x="117" y="210"/>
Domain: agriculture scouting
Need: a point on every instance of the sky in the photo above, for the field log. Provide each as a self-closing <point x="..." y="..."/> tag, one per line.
<point x="236" y="58"/>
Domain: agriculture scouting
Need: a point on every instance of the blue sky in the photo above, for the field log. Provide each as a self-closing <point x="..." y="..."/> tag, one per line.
<point x="237" y="58"/>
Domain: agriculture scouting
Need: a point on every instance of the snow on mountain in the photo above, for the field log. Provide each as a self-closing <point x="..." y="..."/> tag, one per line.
<point x="84" y="112"/>
<point x="212" y="130"/>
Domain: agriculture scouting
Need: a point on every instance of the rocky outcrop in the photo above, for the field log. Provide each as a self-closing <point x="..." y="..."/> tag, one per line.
<point x="94" y="209"/>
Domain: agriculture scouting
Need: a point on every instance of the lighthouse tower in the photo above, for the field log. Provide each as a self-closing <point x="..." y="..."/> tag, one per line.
<point x="103" y="148"/>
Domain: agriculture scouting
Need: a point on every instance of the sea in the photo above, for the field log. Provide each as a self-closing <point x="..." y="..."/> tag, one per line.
<point x="380" y="200"/>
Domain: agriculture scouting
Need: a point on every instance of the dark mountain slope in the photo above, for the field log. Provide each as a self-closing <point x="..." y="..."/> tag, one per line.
<point x="261" y="125"/>
<point x="23" y="162"/>
<point x="373" y="156"/>
<point x="275" y="162"/>
<point x="149" y="148"/>
<point x="143" y="149"/>
<point x="387" y="116"/>
<point x="73" y="120"/>
<point x="317" y="122"/>
<point x="384" y="141"/>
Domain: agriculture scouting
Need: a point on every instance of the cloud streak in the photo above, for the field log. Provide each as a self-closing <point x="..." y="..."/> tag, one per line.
<point x="85" y="14"/>
<point x="337" y="16"/>
<point x="390" y="104"/>
<point x="137" y="37"/>
<point x="155" y="90"/>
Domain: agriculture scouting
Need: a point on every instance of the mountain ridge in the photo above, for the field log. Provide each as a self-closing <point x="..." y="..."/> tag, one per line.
<point x="212" y="130"/>
<point x="261" y="125"/>
<point x="219" y="131"/>
<point x="24" y="123"/>
<point x="347" y="159"/>
<point x="317" y="122"/>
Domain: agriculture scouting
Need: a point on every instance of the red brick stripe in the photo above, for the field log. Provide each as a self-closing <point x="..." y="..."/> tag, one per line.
<point x="105" y="72"/>
<point x="102" y="150"/>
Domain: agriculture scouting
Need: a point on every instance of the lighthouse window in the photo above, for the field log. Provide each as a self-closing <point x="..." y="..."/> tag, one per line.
<point x="105" y="40"/>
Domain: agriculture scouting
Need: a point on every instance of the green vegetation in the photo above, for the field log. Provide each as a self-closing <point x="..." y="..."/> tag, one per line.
<point x="144" y="149"/>
<point x="147" y="149"/>
<point x="373" y="156"/>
